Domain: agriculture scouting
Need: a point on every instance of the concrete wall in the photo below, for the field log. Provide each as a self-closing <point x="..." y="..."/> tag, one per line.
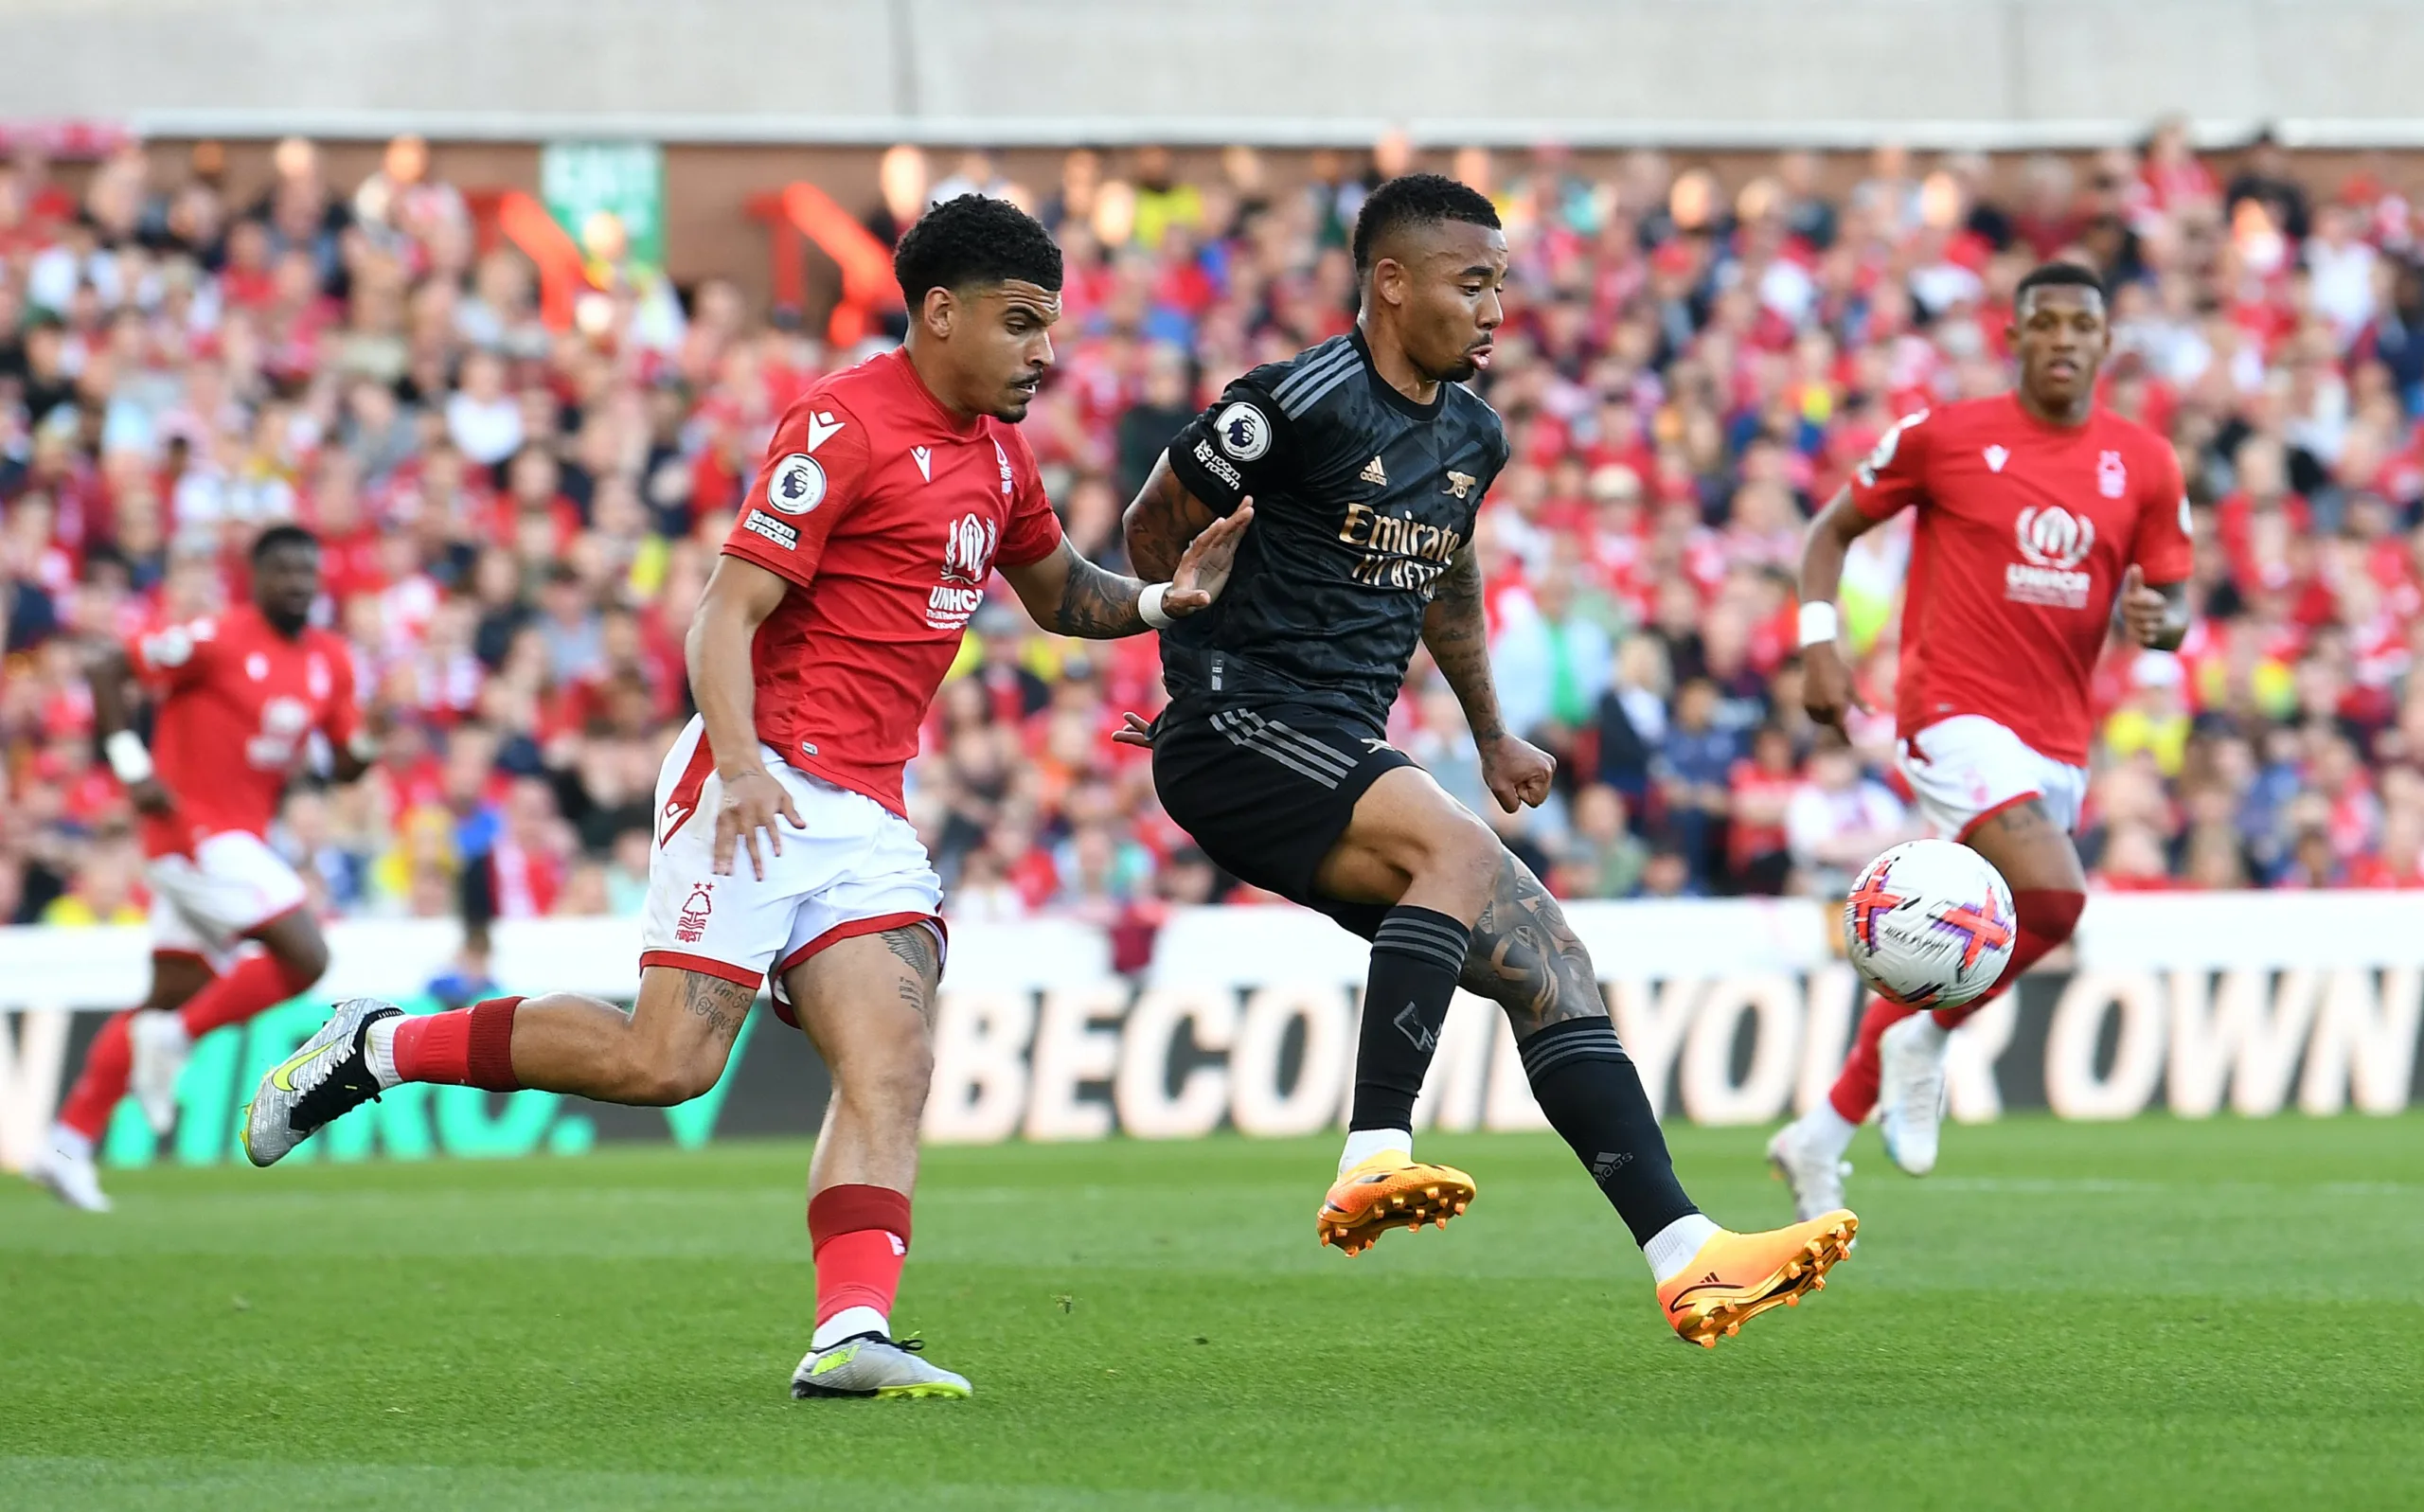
<point x="2012" y="71"/>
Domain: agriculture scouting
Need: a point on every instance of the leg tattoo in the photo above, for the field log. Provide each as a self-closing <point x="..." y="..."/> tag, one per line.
<point x="724" y="1005"/>
<point x="914" y="945"/>
<point x="1525" y="959"/>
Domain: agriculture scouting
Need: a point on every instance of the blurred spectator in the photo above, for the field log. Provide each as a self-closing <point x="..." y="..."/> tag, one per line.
<point x="519" y="520"/>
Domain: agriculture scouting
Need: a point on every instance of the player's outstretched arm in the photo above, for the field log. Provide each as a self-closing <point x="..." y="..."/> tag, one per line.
<point x="1457" y="633"/>
<point x="724" y="684"/>
<point x="1160" y="522"/>
<point x="1070" y="596"/>
<point x="1827" y="682"/>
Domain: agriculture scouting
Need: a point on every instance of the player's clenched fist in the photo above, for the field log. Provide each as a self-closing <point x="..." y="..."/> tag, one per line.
<point x="751" y="801"/>
<point x="1517" y="773"/>
<point x="2144" y="611"/>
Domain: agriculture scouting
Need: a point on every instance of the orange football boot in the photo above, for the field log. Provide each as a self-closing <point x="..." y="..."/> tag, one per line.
<point x="1735" y="1277"/>
<point x="1392" y="1190"/>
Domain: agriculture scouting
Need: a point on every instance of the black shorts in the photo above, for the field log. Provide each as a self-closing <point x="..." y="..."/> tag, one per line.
<point x="1267" y="790"/>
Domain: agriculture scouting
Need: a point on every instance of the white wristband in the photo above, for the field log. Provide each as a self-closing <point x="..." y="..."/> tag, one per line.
<point x="1149" y="606"/>
<point x="126" y="758"/>
<point x="1819" y="624"/>
<point x="363" y="747"/>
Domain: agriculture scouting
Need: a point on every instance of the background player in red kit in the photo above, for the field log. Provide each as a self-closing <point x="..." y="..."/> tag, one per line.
<point x="890" y="494"/>
<point x="239" y="697"/>
<point x="2043" y="519"/>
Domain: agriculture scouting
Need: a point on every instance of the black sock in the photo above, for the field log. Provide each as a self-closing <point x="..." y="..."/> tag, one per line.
<point x="1417" y="956"/>
<point x="1587" y="1085"/>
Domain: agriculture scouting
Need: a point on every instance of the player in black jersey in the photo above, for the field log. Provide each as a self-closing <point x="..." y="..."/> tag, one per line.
<point x="1366" y="461"/>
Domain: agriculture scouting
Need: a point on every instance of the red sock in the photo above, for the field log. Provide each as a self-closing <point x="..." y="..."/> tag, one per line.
<point x="1855" y="1090"/>
<point x="251" y="985"/>
<point x="94" y="1096"/>
<point x="2046" y="918"/>
<point x="469" y="1047"/>
<point x="860" y="1235"/>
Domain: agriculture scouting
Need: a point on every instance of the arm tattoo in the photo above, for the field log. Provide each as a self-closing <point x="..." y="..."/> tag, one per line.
<point x="1158" y="527"/>
<point x="723" y="1004"/>
<point x="914" y="945"/>
<point x="1458" y="635"/>
<point x="1097" y="605"/>
<point x="1525" y="959"/>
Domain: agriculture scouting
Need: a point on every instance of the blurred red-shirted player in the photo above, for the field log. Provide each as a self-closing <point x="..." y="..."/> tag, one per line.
<point x="888" y="497"/>
<point x="2042" y="518"/>
<point x="238" y="697"/>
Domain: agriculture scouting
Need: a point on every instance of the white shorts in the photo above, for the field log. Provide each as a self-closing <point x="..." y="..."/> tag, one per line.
<point x="1968" y="768"/>
<point x="207" y="903"/>
<point x="856" y="868"/>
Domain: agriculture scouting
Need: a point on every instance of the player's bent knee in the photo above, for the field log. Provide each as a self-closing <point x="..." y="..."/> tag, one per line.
<point x="665" y="1086"/>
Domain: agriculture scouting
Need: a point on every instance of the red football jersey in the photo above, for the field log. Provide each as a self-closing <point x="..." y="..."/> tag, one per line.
<point x="887" y="515"/>
<point x="2025" y="531"/>
<point x="238" y="702"/>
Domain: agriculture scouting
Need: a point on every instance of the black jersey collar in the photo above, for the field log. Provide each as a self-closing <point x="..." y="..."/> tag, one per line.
<point x="1388" y="391"/>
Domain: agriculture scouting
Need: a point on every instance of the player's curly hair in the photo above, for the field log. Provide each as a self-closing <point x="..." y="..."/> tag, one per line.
<point x="2058" y="275"/>
<point x="974" y="240"/>
<point x="1418" y="199"/>
<point x="279" y="536"/>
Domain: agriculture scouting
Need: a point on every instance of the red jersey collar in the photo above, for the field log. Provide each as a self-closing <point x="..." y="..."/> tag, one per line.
<point x="941" y="415"/>
<point x="2029" y="417"/>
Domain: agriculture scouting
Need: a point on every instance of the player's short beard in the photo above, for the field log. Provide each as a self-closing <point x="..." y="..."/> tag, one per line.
<point x="286" y="623"/>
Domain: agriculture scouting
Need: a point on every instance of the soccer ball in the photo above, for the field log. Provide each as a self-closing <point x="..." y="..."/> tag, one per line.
<point x="1929" y="925"/>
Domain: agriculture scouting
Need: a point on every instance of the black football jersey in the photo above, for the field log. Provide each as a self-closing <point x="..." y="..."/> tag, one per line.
<point x="1361" y="498"/>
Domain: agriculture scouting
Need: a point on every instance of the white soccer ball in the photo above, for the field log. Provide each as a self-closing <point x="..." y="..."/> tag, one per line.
<point x="1929" y="925"/>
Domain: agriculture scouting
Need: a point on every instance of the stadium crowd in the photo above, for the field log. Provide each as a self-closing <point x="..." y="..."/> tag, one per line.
<point x="518" y="519"/>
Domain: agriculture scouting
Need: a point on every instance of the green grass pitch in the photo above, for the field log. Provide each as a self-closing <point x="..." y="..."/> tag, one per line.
<point x="2154" y="1314"/>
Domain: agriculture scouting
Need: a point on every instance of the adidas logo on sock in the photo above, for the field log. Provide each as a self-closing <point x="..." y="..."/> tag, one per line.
<point x="1608" y="1165"/>
<point x="1374" y="473"/>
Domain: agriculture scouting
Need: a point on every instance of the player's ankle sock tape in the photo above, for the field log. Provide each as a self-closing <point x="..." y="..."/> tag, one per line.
<point x="487" y="1056"/>
<point x="2046" y="917"/>
<point x="1854" y="1094"/>
<point x="1588" y="1087"/>
<point x="855" y="1209"/>
<point x="1417" y="956"/>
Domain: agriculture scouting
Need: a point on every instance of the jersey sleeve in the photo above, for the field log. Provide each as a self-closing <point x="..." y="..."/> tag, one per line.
<point x="2163" y="547"/>
<point x="1227" y="453"/>
<point x="174" y="657"/>
<point x="1894" y="476"/>
<point x="815" y="468"/>
<point x="1034" y="530"/>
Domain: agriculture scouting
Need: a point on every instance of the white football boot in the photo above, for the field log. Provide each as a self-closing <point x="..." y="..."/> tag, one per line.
<point x="870" y="1365"/>
<point x="158" y="1046"/>
<point x="1813" y="1176"/>
<point x="1909" y="1093"/>
<point x="65" y="1169"/>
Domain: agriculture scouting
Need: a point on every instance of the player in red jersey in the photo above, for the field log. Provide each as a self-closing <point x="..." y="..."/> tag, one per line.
<point x="239" y="697"/>
<point x="890" y="494"/>
<point x="2043" y="519"/>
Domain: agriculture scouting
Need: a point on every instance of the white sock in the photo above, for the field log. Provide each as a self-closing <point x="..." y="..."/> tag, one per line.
<point x="71" y="1143"/>
<point x="1671" y="1247"/>
<point x="1362" y="1143"/>
<point x="379" y="1051"/>
<point x="1826" y="1131"/>
<point x="1929" y="1032"/>
<point x="848" y="1324"/>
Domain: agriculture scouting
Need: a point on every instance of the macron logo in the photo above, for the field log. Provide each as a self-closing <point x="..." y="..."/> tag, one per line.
<point x="1996" y="457"/>
<point x="924" y="457"/>
<point x="820" y="428"/>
